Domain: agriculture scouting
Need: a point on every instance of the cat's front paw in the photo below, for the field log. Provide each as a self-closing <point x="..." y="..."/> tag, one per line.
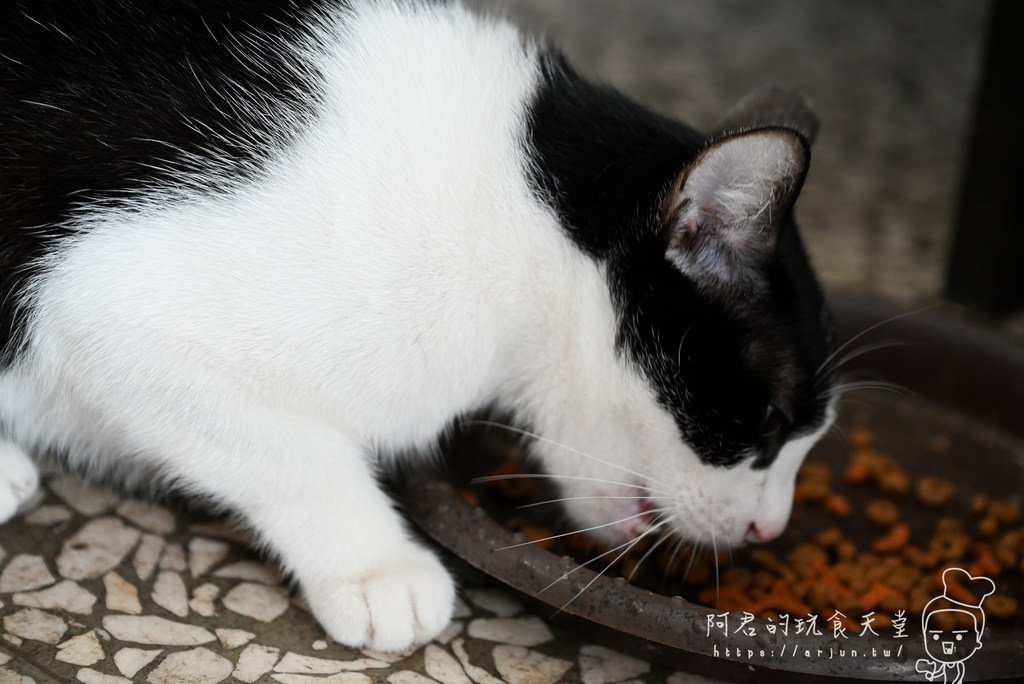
<point x="402" y="602"/>
<point x="19" y="480"/>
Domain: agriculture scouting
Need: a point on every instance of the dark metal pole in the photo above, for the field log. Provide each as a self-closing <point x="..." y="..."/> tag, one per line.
<point x="986" y="265"/>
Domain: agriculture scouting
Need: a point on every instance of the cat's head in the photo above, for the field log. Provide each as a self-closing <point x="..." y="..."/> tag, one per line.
<point x="723" y="345"/>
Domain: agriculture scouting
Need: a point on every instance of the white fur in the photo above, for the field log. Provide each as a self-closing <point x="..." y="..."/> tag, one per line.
<point x="268" y="346"/>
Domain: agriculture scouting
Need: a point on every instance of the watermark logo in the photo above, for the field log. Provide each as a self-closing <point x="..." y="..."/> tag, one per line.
<point x="953" y="623"/>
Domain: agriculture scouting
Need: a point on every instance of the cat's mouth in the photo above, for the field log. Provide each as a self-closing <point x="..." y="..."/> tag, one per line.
<point x="637" y="523"/>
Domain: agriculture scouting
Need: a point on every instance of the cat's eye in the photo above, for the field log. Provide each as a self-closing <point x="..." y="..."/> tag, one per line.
<point x="774" y="421"/>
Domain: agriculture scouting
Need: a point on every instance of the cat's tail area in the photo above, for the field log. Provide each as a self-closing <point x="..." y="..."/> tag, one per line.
<point x="19" y="480"/>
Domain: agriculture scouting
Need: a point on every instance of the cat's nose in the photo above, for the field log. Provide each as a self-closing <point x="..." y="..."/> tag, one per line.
<point x="758" y="535"/>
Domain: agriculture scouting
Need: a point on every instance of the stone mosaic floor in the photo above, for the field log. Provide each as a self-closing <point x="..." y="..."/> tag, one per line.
<point x="104" y="589"/>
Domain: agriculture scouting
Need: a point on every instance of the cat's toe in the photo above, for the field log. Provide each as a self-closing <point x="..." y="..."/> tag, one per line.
<point x="391" y="608"/>
<point x="19" y="480"/>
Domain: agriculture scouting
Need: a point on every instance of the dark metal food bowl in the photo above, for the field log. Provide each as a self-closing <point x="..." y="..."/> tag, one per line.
<point x="963" y="381"/>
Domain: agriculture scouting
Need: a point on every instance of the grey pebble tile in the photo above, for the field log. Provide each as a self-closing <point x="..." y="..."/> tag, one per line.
<point x="85" y="497"/>
<point x="155" y="630"/>
<point x="203" y="600"/>
<point x="173" y="558"/>
<point x="96" y="548"/>
<point x="443" y="666"/>
<point x="149" y="516"/>
<point x="254" y="661"/>
<point x="46" y="516"/>
<point x="204" y="554"/>
<point x="233" y="638"/>
<point x="260" y="602"/>
<point x="25" y="572"/>
<point x="169" y="593"/>
<point x="129" y="660"/>
<point x="600" y="665"/>
<point x="35" y="625"/>
<point x="87" y="675"/>
<point x="65" y="596"/>
<point x="198" y="665"/>
<point x="121" y="595"/>
<point x="84" y="649"/>
<point x="147" y="555"/>
<point x="524" y="631"/>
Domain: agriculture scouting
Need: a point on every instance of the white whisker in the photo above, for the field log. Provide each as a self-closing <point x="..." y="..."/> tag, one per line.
<point x="564" y="499"/>
<point x="629" y="547"/>
<point x="868" y="348"/>
<point x="545" y="440"/>
<point x="629" y="544"/>
<point x="843" y="388"/>
<point x="548" y="476"/>
<point x="838" y="350"/>
<point x="714" y="550"/>
<point x="587" y="529"/>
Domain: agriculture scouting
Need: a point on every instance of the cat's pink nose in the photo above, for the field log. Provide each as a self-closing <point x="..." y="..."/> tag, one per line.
<point x="758" y="535"/>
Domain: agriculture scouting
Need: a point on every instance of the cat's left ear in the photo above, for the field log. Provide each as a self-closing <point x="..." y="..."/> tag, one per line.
<point x="723" y="213"/>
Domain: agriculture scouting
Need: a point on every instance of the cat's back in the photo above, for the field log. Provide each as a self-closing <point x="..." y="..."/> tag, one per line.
<point x="257" y="133"/>
<point x="277" y="202"/>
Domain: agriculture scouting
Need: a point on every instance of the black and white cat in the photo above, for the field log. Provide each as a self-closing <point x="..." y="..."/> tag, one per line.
<point x="256" y="250"/>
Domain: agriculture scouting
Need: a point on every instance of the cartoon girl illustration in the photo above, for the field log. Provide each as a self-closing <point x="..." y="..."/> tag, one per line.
<point x="953" y="624"/>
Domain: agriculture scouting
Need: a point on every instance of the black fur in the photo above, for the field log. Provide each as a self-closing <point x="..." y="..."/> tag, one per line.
<point x="605" y="165"/>
<point x="99" y="100"/>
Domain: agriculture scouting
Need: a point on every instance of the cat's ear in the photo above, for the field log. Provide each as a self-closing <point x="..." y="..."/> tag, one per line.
<point x="722" y="215"/>
<point x="772" y="106"/>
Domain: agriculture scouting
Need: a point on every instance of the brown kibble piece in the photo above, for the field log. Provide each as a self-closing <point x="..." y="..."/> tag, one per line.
<point x="979" y="504"/>
<point x="811" y="490"/>
<point x="837" y="505"/>
<point x="988" y="526"/>
<point x="934" y="491"/>
<point x="950" y="547"/>
<point x="1005" y="554"/>
<point x="894" y="482"/>
<point x="807" y="558"/>
<point x="738" y="576"/>
<point x="857" y="472"/>
<point x="763" y="579"/>
<point x="1000" y="606"/>
<point x="920" y="558"/>
<point x="949" y="525"/>
<point x="815" y="470"/>
<point x="882" y="512"/>
<point x="846" y="550"/>
<point x="861" y="438"/>
<point x="904" y="578"/>
<point x="829" y="537"/>
<point x="1006" y="512"/>
<point x="897" y="538"/>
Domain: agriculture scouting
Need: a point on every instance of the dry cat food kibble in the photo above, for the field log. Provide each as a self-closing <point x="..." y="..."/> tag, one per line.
<point x="830" y="574"/>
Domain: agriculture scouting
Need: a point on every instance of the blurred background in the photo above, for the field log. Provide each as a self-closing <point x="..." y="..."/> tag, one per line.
<point x="894" y="84"/>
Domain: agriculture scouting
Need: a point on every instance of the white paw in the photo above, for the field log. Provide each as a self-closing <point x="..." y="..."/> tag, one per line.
<point x="19" y="480"/>
<point x="405" y="601"/>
